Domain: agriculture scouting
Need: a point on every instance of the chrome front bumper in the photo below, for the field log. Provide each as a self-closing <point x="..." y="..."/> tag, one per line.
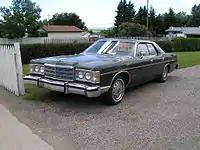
<point x="67" y="87"/>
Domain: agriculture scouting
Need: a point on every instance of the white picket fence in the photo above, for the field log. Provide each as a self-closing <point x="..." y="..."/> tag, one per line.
<point x="11" y="72"/>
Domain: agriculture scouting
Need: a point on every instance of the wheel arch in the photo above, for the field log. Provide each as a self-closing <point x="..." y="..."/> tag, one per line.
<point x="168" y="66"/>
<point x="125" y="74"/>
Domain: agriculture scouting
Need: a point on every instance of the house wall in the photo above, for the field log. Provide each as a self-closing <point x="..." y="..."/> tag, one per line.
<point x="65" y="34"/>
<point x="175" y="34"/>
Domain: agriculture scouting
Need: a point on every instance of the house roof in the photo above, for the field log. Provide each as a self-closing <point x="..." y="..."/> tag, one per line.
<point x="61" y="28"/>
<point x="185" y="30"/>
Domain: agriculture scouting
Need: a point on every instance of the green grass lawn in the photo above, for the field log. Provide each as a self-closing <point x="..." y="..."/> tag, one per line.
<point x="26" y="69"/>
<point x="188" y="59"/>
<point x="32" y="92"/>
<point x="185" y="59"/>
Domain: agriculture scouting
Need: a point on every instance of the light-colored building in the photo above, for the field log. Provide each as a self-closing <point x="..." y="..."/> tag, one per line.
<point x="61" y="31"/>
<point x="174" y="32"/>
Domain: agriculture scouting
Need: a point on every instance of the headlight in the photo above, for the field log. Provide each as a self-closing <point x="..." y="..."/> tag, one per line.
<point x="88" y="76"/>
<point x="36" y="68"/>
<point x="42" y="69"/>
<point x="80" y="75"/>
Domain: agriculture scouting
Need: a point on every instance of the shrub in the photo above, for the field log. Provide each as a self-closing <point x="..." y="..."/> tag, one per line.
<point x="186" y="44"/>
<point x="32" y="51"/>
<point x="180" y="45"/>
<point x="165" y="45"/>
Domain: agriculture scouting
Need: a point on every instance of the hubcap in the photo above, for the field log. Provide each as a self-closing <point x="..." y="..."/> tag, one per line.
<point x="165" y="74"/>
<point x="118" y="90"/>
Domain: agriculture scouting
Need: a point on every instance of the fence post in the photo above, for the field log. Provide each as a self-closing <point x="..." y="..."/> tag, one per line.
<point x="19" y="69"/>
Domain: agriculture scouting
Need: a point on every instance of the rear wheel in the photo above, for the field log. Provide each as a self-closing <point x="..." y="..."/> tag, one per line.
<point x="165" y="74"/>
<point x="116" y="92"/>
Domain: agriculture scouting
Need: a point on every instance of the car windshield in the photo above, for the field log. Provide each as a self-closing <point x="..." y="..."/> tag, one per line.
<point x="112" y="47"/>
<point x="94" y="48"/>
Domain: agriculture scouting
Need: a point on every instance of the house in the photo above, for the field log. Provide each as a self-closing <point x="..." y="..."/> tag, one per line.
<point x="62" y="31"/>
<point x="174" y="32"/>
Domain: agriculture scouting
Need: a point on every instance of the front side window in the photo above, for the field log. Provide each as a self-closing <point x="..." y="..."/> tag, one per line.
<point x="142" y="49"/>
<point x="122" y="48"/>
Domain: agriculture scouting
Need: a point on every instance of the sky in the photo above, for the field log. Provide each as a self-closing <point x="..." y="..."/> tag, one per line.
<point x="101" y="13"/>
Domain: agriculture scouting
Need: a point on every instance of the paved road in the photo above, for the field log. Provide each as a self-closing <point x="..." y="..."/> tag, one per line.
<point x="153" y="116"/>
<point x="16" y="136"/>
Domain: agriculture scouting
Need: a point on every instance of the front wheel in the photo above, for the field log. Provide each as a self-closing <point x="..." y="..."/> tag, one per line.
<point x="116" y="92"/>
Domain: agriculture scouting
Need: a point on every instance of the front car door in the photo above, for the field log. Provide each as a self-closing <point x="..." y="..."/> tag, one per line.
<point x="141" y="64"/>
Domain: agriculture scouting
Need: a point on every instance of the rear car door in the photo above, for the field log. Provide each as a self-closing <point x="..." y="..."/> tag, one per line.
<point x="156" y="60"/>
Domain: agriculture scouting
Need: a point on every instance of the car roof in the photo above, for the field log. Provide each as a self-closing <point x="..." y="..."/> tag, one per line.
<point x="125" y="40"/>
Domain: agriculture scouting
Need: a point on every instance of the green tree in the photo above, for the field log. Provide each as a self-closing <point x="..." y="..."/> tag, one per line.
<point x="44" y="22"/>
<point x="68" y="19"/>
<point x="182" y="19"/>
<point x="130" y="12"/>
<point x="159" y="25"/>
<point x="195" y="15"/>
<point x="111" y="32"/>
<point x="141" y="16"/>
<point x="170" y="19"/>
<point x="20" y="18"/>
<point x="152" y="20"/>
<point x="125" y="13"/>
<point x="1" y="29"/>
<point x="132" y="29"/>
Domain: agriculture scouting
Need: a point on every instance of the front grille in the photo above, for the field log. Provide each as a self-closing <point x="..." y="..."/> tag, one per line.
<point x="59" y="72"/>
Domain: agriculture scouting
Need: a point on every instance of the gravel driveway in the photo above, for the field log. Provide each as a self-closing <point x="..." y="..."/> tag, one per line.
<point x="152" y="116"/>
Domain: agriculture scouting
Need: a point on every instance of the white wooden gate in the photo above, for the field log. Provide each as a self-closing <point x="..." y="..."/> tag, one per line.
<point x="11" y="72"/>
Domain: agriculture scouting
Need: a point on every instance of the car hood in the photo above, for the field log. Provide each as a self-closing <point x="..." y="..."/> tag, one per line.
<point x="83" y="60"/>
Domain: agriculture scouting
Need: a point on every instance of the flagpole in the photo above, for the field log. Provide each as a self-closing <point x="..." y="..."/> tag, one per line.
<point x="147" y="15"/>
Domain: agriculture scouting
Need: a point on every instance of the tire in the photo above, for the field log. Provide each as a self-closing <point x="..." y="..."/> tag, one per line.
<point x="116" y="92"/>
<point x="165" y="73"/>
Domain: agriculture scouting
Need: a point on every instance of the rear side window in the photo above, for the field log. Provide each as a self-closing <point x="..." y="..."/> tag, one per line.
<point x="152" y="50"/>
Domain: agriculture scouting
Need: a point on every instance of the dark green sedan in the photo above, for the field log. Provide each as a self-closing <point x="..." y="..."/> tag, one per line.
<point x="107" y="68"/>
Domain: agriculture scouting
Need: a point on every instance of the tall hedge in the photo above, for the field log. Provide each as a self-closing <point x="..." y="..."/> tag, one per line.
<point x="180" y="45"/>
<point x="31" y="51"/>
